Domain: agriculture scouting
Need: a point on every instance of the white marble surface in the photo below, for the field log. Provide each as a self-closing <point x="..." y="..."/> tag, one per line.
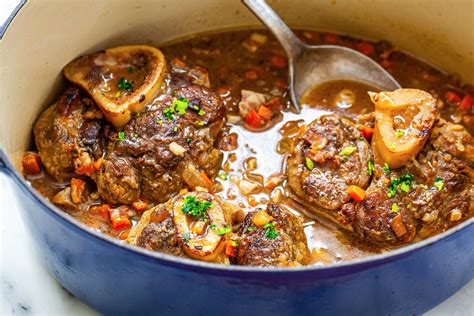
<point x="27" y="288"/>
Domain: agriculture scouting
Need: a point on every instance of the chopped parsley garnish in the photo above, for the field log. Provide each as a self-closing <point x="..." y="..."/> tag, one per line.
<point x="347" y="151"/>
<point x="270" y="231"/>
<point x="223" y="231"/>
<point x="159" y="121"/>
<point x="223" y="176"/>
<point x="438" y="183"/>
<point x="404" y="182"/>
<point x="394" y="208"/>
<point x="370" y="167"/>
<point x="201" y="112"/>
<point x="185" y="237"/>
<point x="195" y="208"/>
<point x="168" y="113"/>
<point x="201" y="123"/>
<point x="124" y="84"/>
<point x="118" y="94"/>
<point x="121" y="136"/>
<point x="400" y="133"/>
<point x="250" y="229"/>
<point x="392" y="147"/>
<point x="180" y="105"/>
<point x="135" y="135"/>
<point x="175" y="129"/>
<point x="386" y="168"/>
<point x="212" y="226"/>
<point x="309" y="163"/>
<point x="188" y="140"/>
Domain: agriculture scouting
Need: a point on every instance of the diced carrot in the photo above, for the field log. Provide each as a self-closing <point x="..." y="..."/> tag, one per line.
<point x="357" y="193"/>
<point x="466" y="103"/>
<point x="31" y="163"/>
<point x="98" y="163"/>
<point x="140" y="205"/>
<point x="251" y="74"/>
<point x="265" y="112"/>
<point x="120" y="221"/>
<point x="331" y="38"/>
<point x="253" y="119"/>
<point x="278" y="61"/>
<point x="208" y="182"/>
<point x="124" y="235"/>
<point x="366" y="48"/>
<point x="77" y="189"/>
<point x="103" y="210"/>
<point x="178" y="62"/>
<point x="452" y="97"/>
<point x="231" y="248"/>
<point x="367" y="131"/>
<point x="198" y="227"/>
<point x="397" y="226"/>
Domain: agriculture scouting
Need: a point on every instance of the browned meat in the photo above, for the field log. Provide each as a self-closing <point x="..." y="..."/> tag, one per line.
<point x="325" y="160"/>
<point x="170" y="150"/>
<point x="66" y="134"/>
<point x="117" y="180"/>
<point x="285" y="246"/>
<point x="160" y="234"/>
<point x="433" y="193"/>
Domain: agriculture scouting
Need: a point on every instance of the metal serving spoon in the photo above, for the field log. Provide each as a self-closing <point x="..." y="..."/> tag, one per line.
<point x="311" y="65"/>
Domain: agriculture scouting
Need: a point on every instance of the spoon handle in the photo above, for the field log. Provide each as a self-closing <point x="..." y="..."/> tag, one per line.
<point x="292" y="45"/>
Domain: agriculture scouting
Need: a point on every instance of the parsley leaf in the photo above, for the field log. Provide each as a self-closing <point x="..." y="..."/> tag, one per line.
<point x="309" y="163"/>
<point x="181" y="105"/>
<point x="370" y="167"/>
<point x="194" y="207"/>
<point x="168" y="113"/>
<point x="438" y="183"/>
<point x="386" y="168"/>
<point x="121" y="136"/>
<point x="124" y="84"/>
<point x="400" y="133"/>
<point x="394" y="208"/>
<point x="223" y="176"/>
<point x="347" y="151"/>
<point x="223" y="231"/>
<point x="270" y="231"/>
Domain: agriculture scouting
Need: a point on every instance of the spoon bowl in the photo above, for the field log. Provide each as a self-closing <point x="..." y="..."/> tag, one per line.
<point x="311" y="65"/>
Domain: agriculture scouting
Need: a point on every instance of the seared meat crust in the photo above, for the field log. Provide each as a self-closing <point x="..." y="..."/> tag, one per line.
<point x="288" y="248"/>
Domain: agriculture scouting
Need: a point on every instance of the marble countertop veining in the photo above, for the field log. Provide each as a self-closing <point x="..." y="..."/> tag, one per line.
<point x="26" y="287"/>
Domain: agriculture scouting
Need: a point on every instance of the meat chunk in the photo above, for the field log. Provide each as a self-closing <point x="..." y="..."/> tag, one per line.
<point x="327" y="157"/>
<point x="65" y="137"/>
<point x="171" y="144"/>
<point x="282" y="242"/>
<point x="117" y="180"/>
<point x="429" y="195"/>
<point x="192" y="224"/>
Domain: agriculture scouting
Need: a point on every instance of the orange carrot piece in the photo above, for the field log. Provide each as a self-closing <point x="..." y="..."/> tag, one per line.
<point x="31" y="163"/>
<point x="265" y="112"/>
<point x="77" y="189"/>
<point x="140" y="205"/>
<point x="397" y="226"/>
<point x="357" y="193"/>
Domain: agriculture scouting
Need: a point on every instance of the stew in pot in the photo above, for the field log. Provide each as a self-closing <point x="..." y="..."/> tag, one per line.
<point x="192" y="150"/>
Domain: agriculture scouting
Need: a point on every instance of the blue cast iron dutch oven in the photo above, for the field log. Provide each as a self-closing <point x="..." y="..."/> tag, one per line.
<point x="115" y="278"/>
